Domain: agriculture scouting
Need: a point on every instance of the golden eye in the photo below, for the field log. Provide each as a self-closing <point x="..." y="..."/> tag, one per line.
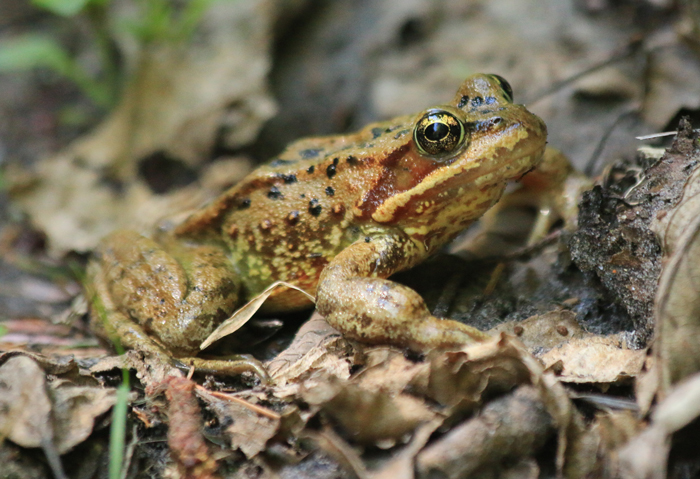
<point x="505" y="86"/>
<point x="439" y="133"/>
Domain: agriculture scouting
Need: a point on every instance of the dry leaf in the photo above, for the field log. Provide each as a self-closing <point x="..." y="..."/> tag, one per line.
<point x="62" y="416"/>
<point x="461" y="380"/>
<point x="595" y="359"/>
<point x="677" y="308"/>
<point x="245" y="312"/>
<point x="247" y="429"/>
<point x="52" y="365"/>
<point x="646" y="455"/>
<point x="367" y="416"/>
<point x="402" y="465"/>
<point x="315" y="346"/>
<point x="75" y="411"/>
<point x="25" y="415"/>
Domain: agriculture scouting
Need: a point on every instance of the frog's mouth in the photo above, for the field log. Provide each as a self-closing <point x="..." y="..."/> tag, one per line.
<point x="520" y="146"/>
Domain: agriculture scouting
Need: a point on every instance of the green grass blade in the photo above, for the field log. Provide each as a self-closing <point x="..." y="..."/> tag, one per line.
<point x="117" y="434"/>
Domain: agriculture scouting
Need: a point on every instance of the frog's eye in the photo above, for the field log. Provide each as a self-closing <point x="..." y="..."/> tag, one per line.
<point x="505" y="86"/>
<point x="439" y="133"/>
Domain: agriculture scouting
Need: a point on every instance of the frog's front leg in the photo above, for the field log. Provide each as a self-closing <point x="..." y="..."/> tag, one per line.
<point x="356" y="300"/>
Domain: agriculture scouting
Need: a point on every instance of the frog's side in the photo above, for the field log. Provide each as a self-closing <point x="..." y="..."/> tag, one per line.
<point x="332" y="216"/>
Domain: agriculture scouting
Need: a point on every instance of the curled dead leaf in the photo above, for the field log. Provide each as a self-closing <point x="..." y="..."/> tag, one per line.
<point x="595" y="359"/>
<point x="36" y="414"/>
<point x="677" y="345"/>
<point x="646" y="455"/>
<point x="248" y="428"/>
<point x="76" y="409"/>
<point x="315" y="346"/>
<point x="245" y="312"/>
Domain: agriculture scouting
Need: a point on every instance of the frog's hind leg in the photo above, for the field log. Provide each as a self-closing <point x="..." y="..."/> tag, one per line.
<point x="164" y="299"/>
<point x="172" y="291"/>
<point x="554" y="189"/>
<point x="111" y="324"/>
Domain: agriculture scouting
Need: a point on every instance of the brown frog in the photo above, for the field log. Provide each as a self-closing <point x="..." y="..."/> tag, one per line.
<point x="333" y="216"/>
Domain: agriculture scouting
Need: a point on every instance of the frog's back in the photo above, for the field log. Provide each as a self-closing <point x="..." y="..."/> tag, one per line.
<point x="293" y="215"/>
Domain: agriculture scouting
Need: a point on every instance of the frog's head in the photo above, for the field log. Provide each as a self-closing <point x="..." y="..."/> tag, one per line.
<point x="461" y="156"/>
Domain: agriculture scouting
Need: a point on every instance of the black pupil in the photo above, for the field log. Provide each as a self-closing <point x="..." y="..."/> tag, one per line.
<point x="436" y="131"/>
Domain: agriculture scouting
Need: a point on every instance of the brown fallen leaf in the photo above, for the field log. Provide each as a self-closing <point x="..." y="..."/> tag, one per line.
<point x="25" y="415"/>
<point x="595" y="359"/>
<point x="402" y="465"/>
<point x="379" y="416"/>
<point x="462" y="379"/>
<point x="245" y="312"/>
<point x="35" y="413"/>
<point x="646" y="455"/>
<point x="51" y="365"/>
<point x="248" y="429"/>
<point x="677" y="345"/>
<point x="315" y="346"/>
<point x="344" y="453"/>
<point x="76" y="409"/>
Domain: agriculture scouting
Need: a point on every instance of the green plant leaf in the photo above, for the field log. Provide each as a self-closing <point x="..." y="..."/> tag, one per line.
<point x="33" y="51"/>
<point x="65" y="8"/>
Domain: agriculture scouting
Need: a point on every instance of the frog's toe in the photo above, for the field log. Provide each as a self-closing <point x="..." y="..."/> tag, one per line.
<point x="435" y="333"/>
<point x="235" y="366"/>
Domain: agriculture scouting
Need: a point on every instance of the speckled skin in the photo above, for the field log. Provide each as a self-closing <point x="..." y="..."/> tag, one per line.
<point x="333" y="216"/>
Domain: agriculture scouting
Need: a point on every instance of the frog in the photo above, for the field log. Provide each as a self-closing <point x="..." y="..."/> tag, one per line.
<point x="333" y="216"/>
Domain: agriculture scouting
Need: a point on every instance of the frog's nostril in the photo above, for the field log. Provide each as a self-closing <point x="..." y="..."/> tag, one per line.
<point x="497" y="120"/>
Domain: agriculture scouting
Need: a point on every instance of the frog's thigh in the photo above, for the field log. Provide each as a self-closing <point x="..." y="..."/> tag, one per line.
<point x="379" y="311"/>
<point x="177" y="295"/>
<point x="108" y="322"/>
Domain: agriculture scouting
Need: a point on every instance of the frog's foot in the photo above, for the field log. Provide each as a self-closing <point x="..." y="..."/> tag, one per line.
<point x="233" y="366"/>
<point x="378" y="311"/>
<point x="126" y="334"/>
